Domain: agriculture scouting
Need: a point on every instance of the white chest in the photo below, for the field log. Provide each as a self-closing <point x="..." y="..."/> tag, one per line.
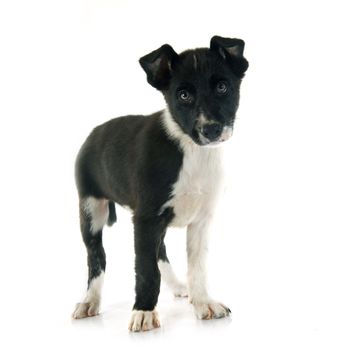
<point x="198" y="184"/>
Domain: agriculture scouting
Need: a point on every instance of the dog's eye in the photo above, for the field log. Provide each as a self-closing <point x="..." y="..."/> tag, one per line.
<point x="221" y="87"/>
<point x="185" y="96"/>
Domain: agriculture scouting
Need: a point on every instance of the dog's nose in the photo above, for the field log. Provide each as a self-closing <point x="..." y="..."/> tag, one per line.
<point x="212" y="131"/>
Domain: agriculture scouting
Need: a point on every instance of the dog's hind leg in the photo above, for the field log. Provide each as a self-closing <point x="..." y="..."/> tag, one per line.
<point x="94" y="214"/>
<point x="167" y="273"/>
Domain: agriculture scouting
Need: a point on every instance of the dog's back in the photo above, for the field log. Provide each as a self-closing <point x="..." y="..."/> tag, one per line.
<point x="142" y="159"/>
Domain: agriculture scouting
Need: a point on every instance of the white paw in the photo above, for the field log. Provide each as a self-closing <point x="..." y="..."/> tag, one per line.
<point x="180" y="290"/>
<point x="211" y="309"/>
<point x="143" y="320"/>
<point x="88" y="309"/>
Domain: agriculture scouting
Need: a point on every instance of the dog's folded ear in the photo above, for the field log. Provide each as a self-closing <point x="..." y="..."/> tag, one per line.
<point x="232" y="51"/>
<point x="158" y="66"/>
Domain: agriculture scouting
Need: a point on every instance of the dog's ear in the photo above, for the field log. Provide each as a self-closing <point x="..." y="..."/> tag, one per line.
<point x="158" y="66"/>
<point x="231" y="50"/>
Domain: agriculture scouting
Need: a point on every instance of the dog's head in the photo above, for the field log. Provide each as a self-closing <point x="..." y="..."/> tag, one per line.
<point x="201" y="86"/>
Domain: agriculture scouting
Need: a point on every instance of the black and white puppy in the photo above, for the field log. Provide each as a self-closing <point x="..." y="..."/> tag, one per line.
<point x="166" y="168"/>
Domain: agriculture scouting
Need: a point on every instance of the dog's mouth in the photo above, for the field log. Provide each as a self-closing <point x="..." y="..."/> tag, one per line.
<point x="202" y="138"/>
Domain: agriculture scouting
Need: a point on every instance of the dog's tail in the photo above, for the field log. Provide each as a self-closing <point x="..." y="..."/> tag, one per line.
<point x="112" y="218"/>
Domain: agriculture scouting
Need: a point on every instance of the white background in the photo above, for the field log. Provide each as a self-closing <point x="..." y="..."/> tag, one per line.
<point x="279" y="256"/>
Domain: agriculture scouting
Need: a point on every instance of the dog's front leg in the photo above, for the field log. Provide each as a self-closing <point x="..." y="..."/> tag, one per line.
<point x="148" y="235"/>
<point x="197" y="246"/>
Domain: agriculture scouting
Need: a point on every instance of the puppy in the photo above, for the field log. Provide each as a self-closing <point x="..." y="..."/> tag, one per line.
<point x="166" y="168"/>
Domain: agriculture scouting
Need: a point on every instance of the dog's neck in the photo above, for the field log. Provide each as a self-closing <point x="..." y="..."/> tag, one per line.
<point x="174" y="131"/>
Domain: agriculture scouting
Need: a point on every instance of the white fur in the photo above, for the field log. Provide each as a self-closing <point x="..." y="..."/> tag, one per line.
<point x="199" y="181"/>
<point x="128" y="208"/>
<point x="226" y="133"/>
<point x="98" y="211"/>
<point x="202" y="119"/>
<point x="169" y="277"/>
<point x="143" y="320"/>
<point x="173" y="129"/>
<point x="193" y="200"/>
<point x="197" y="246"/>
<point x="95" y="287"/>
<point x="90" y="305"/>
<point x="210" y="309"/>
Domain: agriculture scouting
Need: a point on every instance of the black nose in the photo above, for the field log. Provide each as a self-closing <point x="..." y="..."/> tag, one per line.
<point x="212" y="131"/>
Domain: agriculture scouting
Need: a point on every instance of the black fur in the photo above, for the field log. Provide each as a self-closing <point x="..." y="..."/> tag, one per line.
<point x="149" y="237"/>
<point x="112" y="217"/>
<point x="129" y="160"/>
<point x="132" y="161"/>
<point x="96" y="257"/>
<point x="198" y="72"/>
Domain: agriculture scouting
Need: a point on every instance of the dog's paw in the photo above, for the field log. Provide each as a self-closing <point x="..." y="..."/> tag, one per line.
<point x="88" y="309"/>
<point x="210" y="310"/>
<point x="143" y="321"/>
<point x="180" y="290"/>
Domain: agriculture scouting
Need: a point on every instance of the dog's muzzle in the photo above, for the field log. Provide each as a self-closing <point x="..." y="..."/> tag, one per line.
<point x="213" y="133"/>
